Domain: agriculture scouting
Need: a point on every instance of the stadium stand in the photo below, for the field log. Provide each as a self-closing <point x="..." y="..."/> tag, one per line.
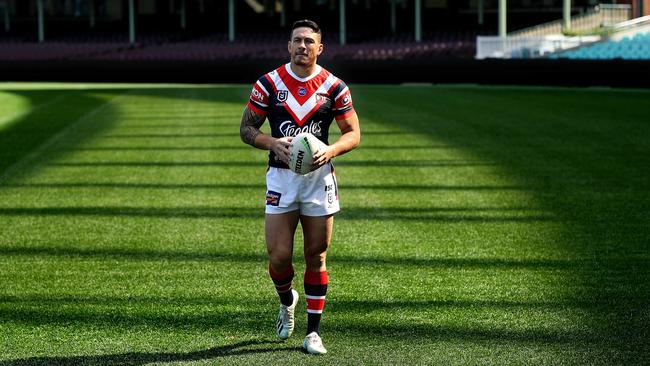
<point x="184" y="47"/>
<point x="442" y="49"/>
<point x="604" y="33"/>
<point x="636" y="47"/>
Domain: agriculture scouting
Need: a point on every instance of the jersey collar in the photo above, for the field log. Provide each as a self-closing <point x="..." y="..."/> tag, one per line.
<point x="313" y="75"/>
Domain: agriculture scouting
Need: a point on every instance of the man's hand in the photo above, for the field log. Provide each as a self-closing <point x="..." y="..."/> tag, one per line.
<point x="322" y="157"/>
<point x="281" y="148"/>
<point x="350" y="138"/>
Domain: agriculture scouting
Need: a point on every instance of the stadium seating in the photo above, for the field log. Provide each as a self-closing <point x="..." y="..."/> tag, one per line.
<point x="635" y="47"/>
<point x="187" y="46"/>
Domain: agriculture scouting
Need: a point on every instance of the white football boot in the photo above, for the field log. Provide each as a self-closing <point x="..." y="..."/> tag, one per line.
<point x="313" y="344"/>
<point x="285" y="322"/>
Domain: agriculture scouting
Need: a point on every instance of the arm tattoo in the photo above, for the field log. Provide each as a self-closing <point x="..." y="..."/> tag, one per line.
<point x="250" y="126"/>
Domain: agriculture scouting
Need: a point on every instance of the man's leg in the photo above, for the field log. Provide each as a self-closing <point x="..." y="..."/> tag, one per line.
<point x="317" y="232"/>
<point x="280" y="230"/>
<point x="317" y="235"/>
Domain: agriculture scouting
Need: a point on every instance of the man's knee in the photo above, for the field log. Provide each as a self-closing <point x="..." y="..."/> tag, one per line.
<point x="280" y="258"/>
<point x="315" y="257"/>
<point x="315" y="250"/>
<point x="279" y="254"/>
<point x="280" y="230"/>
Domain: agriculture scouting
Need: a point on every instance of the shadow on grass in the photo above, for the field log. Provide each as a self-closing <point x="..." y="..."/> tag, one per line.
<point x="387" y="187"/>
<point x="360" y="261"/>
<point x="46" y="118"/>
<point x="144" y="358"/>
<point x="52" y="111"/>
<point x="160" y="148"/>
<point x="169" y="135"/>
<point x="442" y="214"/>
<point x="587" y="152"/>
<point x="157" y="125"/>
<point x="239" y="147"/>
<point x="253" y="163"/>
<point x="134" y="313"/>
<point x="554" y="138"/>
<point x="157" y="164"/>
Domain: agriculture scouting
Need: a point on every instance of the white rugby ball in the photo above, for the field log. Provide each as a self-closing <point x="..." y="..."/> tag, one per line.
<point x="301" y="152"/>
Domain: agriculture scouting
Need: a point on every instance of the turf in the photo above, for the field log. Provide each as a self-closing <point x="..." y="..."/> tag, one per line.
<point x="480" y="225"/>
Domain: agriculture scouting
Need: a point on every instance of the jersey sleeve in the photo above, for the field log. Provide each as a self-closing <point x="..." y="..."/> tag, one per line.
<point x="343" y="107"/>
<point x="259" y="99"/>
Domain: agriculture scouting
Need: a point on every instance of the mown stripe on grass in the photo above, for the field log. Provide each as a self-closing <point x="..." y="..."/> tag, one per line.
<point x="33" y="155"/>
<point x="381" y="187"/>
<point x="379" y="260"/>
<point x="429" y="265"/>
<point x="445" y="214"/>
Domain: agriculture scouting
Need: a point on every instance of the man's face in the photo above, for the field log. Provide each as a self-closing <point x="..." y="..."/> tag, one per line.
<point x="304" y="46"/>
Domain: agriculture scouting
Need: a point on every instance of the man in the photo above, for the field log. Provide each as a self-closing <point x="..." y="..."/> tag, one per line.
<point x="300" y="96"/>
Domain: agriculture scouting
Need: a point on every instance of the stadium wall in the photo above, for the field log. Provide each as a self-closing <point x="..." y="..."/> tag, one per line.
<point x="613" y="73"/>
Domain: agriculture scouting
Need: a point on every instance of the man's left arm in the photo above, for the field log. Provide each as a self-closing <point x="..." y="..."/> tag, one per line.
<point x="349" y="140"/>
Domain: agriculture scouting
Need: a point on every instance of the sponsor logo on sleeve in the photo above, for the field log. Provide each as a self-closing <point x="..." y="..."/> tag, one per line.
<point x="257" y="95"/>
<point x="346" y="100"/>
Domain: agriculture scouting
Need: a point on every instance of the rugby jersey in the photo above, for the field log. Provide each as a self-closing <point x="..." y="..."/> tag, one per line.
<point x="294" y="105"/>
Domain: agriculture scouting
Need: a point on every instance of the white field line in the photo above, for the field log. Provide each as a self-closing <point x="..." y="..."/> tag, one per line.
<point x="38" y="151"/>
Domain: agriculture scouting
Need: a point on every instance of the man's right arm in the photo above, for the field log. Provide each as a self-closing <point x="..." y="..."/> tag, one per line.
<point x="249" y="131"/>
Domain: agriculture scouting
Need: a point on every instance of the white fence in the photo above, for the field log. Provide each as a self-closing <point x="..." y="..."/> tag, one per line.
<point x="527" y="47"/>
<point x="547" y="38"/>
<point x="604" y="15"/>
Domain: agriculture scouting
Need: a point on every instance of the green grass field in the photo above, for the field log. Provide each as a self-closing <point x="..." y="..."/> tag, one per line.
<point x="479" y="225"/>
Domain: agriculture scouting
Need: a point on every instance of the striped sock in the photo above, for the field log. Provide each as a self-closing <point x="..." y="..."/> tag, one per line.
<point x="315" y="291"/>
<point x="283" y="282"/>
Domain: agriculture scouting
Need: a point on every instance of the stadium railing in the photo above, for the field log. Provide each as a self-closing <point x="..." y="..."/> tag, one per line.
<point x="549" y="38"/>
<point x="632" y="42"/>
<point x="527" y="47"/>
<point x="601" y="16"/>
<point x="632" y="24"/>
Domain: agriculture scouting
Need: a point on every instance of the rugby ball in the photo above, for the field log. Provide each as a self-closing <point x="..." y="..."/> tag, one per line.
<point x="301" y="152"/>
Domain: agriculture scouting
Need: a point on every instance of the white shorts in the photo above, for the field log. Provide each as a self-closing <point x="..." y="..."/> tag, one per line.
<point x="313" y="194"/>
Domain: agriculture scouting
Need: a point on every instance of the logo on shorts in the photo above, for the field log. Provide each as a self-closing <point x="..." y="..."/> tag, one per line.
<point x="330" y="193"/>
<point x="273" y="198"/>
<point x="283" y="95"/>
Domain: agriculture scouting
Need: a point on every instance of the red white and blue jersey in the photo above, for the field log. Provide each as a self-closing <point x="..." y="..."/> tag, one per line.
<point x="294" y="105"/>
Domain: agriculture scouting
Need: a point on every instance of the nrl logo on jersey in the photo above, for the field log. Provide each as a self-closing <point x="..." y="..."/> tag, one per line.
<point x="283" y="95"/>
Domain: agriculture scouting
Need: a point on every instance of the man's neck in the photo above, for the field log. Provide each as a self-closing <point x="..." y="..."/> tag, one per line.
<point x="302" y="71"/>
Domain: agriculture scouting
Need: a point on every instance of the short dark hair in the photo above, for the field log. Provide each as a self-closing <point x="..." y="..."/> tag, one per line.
<point x="307" y="24"/>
